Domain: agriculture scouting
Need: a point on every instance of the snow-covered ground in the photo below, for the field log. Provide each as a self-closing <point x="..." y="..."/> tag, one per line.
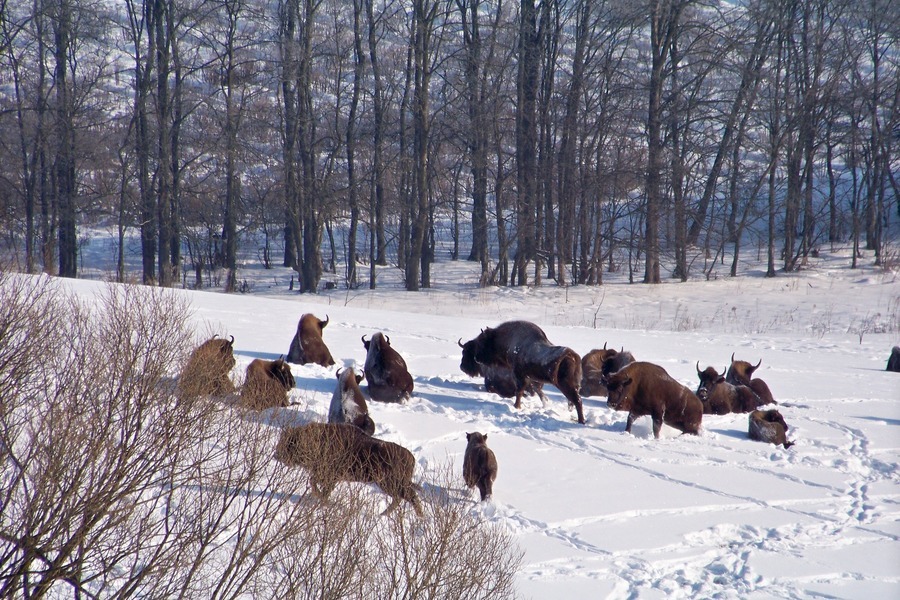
<point x="601" y="513"/>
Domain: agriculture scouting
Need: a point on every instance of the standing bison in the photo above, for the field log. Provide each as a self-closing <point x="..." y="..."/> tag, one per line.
<point x="386" y="374"/>
<point x="720" y="397"/>
<point x="741" y="372"/>
<point x="643" y="388"/>
<point x="768" y="426"/>
<point x="524" y="349"/>
<point x="498" y="379"/>
<point x="893" y="363"/>
<point x="597" y="364"/>
<point x="267" y="384"/>
<point x="307" y="345"/>
<point x="348" y="404"/>
<point x="208" y="370"/>
<point x="479" y="464"/>
<point x="334" y="452"/>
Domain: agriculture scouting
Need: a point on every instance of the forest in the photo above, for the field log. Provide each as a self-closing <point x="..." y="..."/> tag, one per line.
<point x="544" y="139"/>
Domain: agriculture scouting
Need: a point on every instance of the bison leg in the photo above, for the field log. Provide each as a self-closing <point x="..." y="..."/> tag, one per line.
<point x="629" y="422"/>
<point x="484" y="486"/>
<point x="572" y="396"/>
<point x="395" y="502"/>
<point x="657" y="426"/>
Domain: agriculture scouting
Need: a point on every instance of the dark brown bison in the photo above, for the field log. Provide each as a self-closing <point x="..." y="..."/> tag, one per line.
<point x="643" y="388"/>
<point x="386" y="374"/>
<point x="768" y="426"/>
<point x="593" y="365"/>
<point x="524" y="349"/>
<point x="498" y="379"/>
<point x="208" y="370"/>
<point x="720" y="397"/>
<point x="893" y="363"/>
<point x="741" y="372"/>
<point x="267" y="384"/>
<point x="334" y="452"/>
<point x="479" y="464"/>
<point x="307" y="345"/>
<point x="348" y="405"/>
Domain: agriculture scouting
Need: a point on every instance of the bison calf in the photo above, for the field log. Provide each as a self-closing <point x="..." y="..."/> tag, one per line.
<point x="334" y="452"/>
<point x="720" y="397"/>
<point x="769" y="426"/>
<point x="307" y="345"/>
<point x="479" y="464"/>
<point x="267" y="384"/>
<point x="208" y="370"/>
<point x="597" y="365"/>
<point x="643" y="388"/>
<point x="348" y="405"/>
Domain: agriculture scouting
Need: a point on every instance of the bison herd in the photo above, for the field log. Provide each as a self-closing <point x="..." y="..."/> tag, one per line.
<point x="515" y="359"/>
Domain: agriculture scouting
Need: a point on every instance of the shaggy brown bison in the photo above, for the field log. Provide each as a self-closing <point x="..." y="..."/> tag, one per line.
<point x="479" y="464"/>
<point x="348" y="405"/>
<point x="768" y="426"/>
<point x="498" y="379"/>
<point x="386" y="374"/>
<point x="334" y="452"/>
<point x="741" y="372"/>
<point x="893" y="363"/>
<point x="593" y="365"/>
<point x="307" y="345"/>
<point x="643" y="388"/>
<point x="208" y="370"/>
<point x="524" y="349"/>
<point x="267" y="384"/>
<point x="720" y="397"/>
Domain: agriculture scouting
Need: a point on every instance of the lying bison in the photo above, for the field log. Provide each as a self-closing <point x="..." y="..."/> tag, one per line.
<point x="768" y="426"/>
<point x="741" y="372"/>
<point x="479" y="464"/>
<point x="208" y="370"/>
<point x="334" y="452"/>
<point x="720" y="397"/>
<point x="386" y="374"/>
<point x="593" y="365"/>
<point x="267" y="384"/>
<point x="307" y="345"/>
<point x="643" y="388"/>
<point x="524" y="349"/>
<point x="348" y="405"/>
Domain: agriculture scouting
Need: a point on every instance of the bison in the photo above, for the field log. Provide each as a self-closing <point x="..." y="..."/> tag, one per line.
<point x="893" y="363"/>
<point x="348" y="405"/>
<point x="740" y="373"/>
<point x="597" y="364"/>
<point x="266" y="384"/>
<point x="720" y="397"/>
<point x="768" y="426"/>
<point x="479" y="464"/>
<point x="498" y="379"/>
<point x="644" y="388"/>
<point x="334" y="452"/>
<point x="524" y="349"/>
<point x="385" y="371"/>
<point x="208" y="370"/>
<point x="307" y="345"/>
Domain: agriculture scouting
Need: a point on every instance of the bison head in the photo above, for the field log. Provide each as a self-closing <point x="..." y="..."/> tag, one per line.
<point x="617" y="386"/>
<point x="281" y="372"/>
<point x="469" y="365"/>
<point x="741" y="371"/>
<point x="709" y="378"/>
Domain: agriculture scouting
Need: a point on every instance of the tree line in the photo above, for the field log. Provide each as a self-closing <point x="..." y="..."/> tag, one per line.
<point x="543" y="138"/>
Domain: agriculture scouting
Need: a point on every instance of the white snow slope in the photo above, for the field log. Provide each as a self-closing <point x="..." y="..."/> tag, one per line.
<point x="601" y="513"/>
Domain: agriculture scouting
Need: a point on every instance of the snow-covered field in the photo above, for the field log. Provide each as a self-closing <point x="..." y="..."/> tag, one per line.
<point x="601" y="513"/>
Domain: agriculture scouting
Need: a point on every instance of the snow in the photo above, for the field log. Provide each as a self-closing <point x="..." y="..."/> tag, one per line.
<point x="601" y="513"/>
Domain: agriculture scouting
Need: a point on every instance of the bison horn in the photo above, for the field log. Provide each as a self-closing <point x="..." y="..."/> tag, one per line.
<point x="325" y="322"/>
<point x="732" y="357"/>
<point x="338" y="374"/>
<point x="231" y="343"/>
<point x="459" y="342"/>
<point x="388" y="338"/>
<point x="698" y="367"/>
<point x="363" y="338"/>
<point x="604" y="345"/>
<point x="757" y="366"/>
<point x="725" y="370"/>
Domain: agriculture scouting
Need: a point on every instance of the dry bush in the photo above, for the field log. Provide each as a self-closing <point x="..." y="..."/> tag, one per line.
<point x="112" y="487"/>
